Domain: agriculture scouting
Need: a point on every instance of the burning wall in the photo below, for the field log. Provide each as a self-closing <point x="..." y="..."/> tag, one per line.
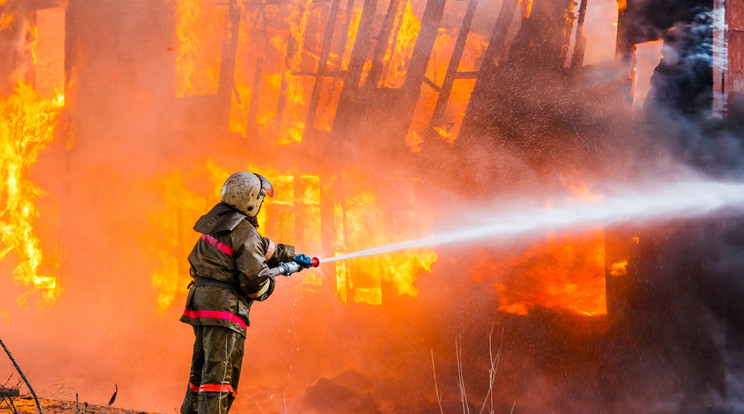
<point x="156" y="117"/>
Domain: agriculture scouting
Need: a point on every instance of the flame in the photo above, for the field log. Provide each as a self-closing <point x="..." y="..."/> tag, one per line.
<point x="27" y="128"/>
<point x="362" y="223"/>
<point x="6" y="20"/>
<point x="34" y="43"/>
<point x="199" y="32"/>
<point x="278" y="62"/>
<point x="622" y="6"/>
<point x="619" y="268"/>
<point x="403" y="48"/>
<point x="526" y="8"/>
<point x="292" y="216"/>
<point x="182" y="207"/>
<point x="566" y="272"/>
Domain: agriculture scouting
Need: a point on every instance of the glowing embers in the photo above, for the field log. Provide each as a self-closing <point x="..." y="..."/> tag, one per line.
<point x="567" y="272"/>
<point x="27" y="127"/>
<point x="360" y="222"/>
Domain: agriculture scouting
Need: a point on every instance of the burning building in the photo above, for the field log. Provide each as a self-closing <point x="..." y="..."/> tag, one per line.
<point x="376" y="122"/>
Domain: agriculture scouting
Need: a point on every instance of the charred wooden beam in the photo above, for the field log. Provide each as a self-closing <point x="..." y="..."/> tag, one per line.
<point x="422" y="49"/>
<point x="226" y="84"/>
<point x="432" y="84"/>
<point x="491" y="57"/>
<point x="396" y="31"/>
<point x="345" y="28"/>
<point x="580" y="43"/>
<point x="44" y="4"/>
<point x="497" y="40"/>
<point x="625" y="50"/>
<point x="255" y="90"/>
<point x="383" y="39"/>
<point x="451" y="74"/>
<point x="322" y="66"/>
<point x="346" y="108"/>
<point x="293" y="49"/>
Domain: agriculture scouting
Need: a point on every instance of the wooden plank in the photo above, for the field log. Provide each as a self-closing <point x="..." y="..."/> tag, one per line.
<point x="493" y="54"/>
<point x="466" y="75"/>
<point x="322" y="65"/>
<point x="735" y="15"/>
<point x="432" y="84"/>
<point x="580" y="44"/>
<point x="735" y="75"/>
<point x="346" y="107"/>
<point x="422" y="49"/>
<point x="452" y="73"/>
<point x="383" y="40"/>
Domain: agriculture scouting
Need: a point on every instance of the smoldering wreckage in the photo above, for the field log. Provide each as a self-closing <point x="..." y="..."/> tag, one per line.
<point x="376" y="122"/>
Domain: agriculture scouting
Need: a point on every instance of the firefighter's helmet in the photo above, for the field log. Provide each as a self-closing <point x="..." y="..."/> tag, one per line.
<point x="245" y="191"/>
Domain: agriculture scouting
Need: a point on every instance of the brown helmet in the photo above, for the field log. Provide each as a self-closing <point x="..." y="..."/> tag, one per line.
<point x="245" y="191"/>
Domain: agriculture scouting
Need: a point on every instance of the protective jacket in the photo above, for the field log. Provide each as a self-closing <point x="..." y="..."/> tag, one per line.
<point x="230" y="264"/>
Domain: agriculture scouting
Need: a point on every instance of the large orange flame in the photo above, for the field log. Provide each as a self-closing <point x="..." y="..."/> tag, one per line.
<point x="27" y="128"/>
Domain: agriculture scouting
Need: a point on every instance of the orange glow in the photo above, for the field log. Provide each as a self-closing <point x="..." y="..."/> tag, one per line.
<point x="619" y="268"/>
<point x="199" y="26"/>
<point x="526" y="8"/>
<point x="567" y="273"/>
<point x="27" y="129"/>
<point x="622" y="5"/>
<point x="6" y="20"/>
<point x="363" y="224"/>
<point x="409" y="28"/>
<point x="182" y="207"/>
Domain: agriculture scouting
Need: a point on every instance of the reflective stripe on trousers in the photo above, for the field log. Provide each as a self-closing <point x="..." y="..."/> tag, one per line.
<point x="215" y="370"/>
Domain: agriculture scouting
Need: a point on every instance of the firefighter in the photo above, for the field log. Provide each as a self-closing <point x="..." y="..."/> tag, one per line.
<point x="232" y="266"/>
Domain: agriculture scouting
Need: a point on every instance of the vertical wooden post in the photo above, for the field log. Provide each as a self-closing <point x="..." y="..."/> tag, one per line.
<point x="422" y="49"/>
<point x="454" y="63"/>
<point x="735" y="74"/>
<point x="382" y="45"/>
<point x="322" y="69"/>
<point x="345" y="29"/>
<point x="493" y="53"/>
<point x="255" y="91"/>
<point x="580" y="43"/>
<point x="625" y="50"/>
<point x="353" y="76"/>
<point x="229" y="51"/>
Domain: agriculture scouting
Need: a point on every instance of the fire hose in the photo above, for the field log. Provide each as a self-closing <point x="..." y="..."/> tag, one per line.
<point x="287" y="268"/>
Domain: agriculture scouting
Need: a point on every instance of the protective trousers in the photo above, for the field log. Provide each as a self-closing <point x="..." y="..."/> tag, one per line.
<point x="215" y="370"/>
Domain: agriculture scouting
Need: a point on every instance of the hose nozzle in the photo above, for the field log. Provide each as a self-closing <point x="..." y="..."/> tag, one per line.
<point x="316" y="262"/>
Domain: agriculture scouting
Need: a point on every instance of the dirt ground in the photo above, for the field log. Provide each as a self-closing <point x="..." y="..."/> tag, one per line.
<point x="25" y="404"/>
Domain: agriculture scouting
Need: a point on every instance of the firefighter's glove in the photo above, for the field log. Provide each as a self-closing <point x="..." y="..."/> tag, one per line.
<point x="303" y="261"/>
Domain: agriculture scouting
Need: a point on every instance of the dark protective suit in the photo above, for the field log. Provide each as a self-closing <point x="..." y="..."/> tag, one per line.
<point x="229" y="264"/>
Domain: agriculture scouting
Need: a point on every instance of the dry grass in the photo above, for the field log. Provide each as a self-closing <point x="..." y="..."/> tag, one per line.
<point x="488" y="400"/>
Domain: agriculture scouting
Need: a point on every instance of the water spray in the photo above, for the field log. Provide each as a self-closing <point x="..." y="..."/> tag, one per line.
<point x="676" y="200"/>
